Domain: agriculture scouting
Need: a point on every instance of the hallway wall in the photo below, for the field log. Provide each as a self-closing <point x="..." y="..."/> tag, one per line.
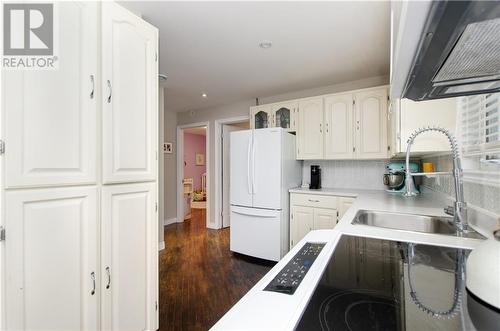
<point x="194" y="144"/>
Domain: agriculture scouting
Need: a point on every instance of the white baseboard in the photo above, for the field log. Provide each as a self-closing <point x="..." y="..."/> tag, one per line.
<point x="212" y="226"/>
<point x="161" y="245"/>
<point x="170" y="221"/>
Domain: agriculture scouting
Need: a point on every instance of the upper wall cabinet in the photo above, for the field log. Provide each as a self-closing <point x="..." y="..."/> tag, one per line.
<point x="285" y="115"/>
<point x="129" y="69"/>
<point x="261" y="117"/>
<point x="51" y="114"/>
<point x="343" y="126"/>
<point x="406" y="116"/>
<point x="339" y="130"/>
<point x="310" y="129"/>
<point x="371" y="124"/>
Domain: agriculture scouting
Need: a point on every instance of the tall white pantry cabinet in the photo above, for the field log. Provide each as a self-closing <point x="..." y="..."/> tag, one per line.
<point x="79" y="179"/>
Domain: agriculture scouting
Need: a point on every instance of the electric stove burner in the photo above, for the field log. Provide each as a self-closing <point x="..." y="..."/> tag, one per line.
<point x="381" y="285"/>
<point x="359" y="310"/>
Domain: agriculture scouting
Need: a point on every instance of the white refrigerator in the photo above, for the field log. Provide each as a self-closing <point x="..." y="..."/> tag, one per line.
<point x="262" y="170"/>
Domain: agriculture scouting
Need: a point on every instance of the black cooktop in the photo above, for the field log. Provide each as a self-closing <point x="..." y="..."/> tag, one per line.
<point x="373" y="284"/>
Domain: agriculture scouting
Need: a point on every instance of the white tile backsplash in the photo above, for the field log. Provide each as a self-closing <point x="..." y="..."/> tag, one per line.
<point x="353" y="174"/>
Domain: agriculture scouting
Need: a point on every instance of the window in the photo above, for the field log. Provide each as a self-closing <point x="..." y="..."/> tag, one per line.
<point x="478" y="131"/>
<point x="478" y="127"/>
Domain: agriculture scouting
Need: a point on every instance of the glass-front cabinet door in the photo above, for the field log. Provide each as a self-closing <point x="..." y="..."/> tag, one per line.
<point x="261" y="117"/>
<point x="285" y="115"/>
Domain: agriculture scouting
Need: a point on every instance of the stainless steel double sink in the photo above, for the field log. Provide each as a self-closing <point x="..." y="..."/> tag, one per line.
<point x="413" y="223"/>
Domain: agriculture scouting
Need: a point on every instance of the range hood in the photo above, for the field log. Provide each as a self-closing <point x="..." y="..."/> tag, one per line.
<point x="458" y="53"/>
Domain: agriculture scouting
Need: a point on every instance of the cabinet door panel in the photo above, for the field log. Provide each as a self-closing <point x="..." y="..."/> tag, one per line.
<point x="344" y="204"/>
<point x="371" y="124"/>
<point x="129" y="87"/>
<point x="310" y="132"/>
<point x="302" y="223"/>
<point x="129" y="257"/>
<point x="415" y="115"/>
<point x="51" y="251"/>
<point x="51" y="115"/>
<point x="324" y="218"/>
<point x="284" y="115"/>
<point x="339" y="127"/>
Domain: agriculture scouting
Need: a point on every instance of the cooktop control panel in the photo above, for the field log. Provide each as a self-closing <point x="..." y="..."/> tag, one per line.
<point x="290" y="277"/>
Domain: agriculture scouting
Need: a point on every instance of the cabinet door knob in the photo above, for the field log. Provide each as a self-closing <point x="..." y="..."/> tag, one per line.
<point x="313" y="200"/>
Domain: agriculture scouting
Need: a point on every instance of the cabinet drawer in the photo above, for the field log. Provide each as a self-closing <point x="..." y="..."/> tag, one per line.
<point x="313" y="200"/>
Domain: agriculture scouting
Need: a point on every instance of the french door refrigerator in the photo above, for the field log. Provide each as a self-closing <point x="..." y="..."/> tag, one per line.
<point x="262" y="170"/>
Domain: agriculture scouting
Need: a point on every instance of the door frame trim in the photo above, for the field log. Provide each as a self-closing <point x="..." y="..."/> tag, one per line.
<point x="218" y="164"/>
<point x="180" y="169"/>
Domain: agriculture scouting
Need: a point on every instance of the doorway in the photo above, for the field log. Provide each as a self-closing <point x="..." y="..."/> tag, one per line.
<point x="224" y="129"/>
<point x="193" y="173"/>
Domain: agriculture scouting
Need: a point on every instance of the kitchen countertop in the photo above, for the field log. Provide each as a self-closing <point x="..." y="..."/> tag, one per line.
<point x="264" y="310"/>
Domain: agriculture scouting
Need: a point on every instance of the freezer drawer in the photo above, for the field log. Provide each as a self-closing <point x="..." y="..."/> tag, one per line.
<point x="256" y="232"/>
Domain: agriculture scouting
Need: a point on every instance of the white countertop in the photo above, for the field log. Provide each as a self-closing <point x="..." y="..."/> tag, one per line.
<point x="264" y="310"/>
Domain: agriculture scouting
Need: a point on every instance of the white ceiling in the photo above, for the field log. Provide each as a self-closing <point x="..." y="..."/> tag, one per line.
<point x="213" y="47"/>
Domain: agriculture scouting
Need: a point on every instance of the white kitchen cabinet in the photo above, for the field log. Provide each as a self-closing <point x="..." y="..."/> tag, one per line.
<point x="261" y="117"/>
<point x="339" y="127"/>
<point x="310" y="129"/>
<point x="129" y="90"/>
<point x="371" y="124"/>
<point x="51" y="257"/>
<point x="129" y="257"/>
<point x="301" y="222"/>
<point x="325" y="218"/>
<point x="59" y="226"/>
<point x="314" y="212"/>
<point x="344" y="203"/>
<point x="406" y="116"/>
<point x="284" y="115"/>
<point x="51" y="114"/>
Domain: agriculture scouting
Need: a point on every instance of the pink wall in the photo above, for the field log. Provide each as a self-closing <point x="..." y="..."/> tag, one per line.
<point x="194" y="144"/>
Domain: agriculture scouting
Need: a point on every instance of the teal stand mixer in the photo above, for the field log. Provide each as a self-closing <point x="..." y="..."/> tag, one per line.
<point x="394" y="179"/>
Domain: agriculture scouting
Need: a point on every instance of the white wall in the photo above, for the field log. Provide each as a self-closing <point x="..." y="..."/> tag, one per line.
<point x="161" y="166"/>
<point x="170" y="165"/>
<point x="242" y="108"/>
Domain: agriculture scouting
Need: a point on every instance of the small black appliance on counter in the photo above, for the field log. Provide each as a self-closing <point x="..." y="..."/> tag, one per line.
<point x="315" y="177"/>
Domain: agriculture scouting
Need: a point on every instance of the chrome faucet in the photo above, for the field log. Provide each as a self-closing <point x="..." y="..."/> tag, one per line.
<point x="459" y="209"/>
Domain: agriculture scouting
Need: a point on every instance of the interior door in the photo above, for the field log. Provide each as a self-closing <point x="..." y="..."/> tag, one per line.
<point x="129" y="257"/>
<point x="266" y="168"/>
<point x="302" y="223"/>
<point x="240" y="180"/>
<point x="51" y="259"/>
<point x="310" y="129"/>
<point x="339" y="135"/>
<point x="51" y="114"/>
<point x="226" y="161"/>
<point x="129" y="96"/>
<point x="371" y="124"/>
<point x="324" y="218"/>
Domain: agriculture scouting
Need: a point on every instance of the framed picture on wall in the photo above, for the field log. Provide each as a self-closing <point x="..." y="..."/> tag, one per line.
<point x="200" y="159"/>
<point x="168" y="148"/>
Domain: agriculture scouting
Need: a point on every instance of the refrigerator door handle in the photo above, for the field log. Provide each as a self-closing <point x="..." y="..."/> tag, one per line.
<point x="254" y="187"/>
<point x="248" y="168"/>
<point x="250" y="214"/>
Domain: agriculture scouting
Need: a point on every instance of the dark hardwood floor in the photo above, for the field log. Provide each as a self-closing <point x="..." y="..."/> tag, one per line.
<point x="200" y="278"/>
